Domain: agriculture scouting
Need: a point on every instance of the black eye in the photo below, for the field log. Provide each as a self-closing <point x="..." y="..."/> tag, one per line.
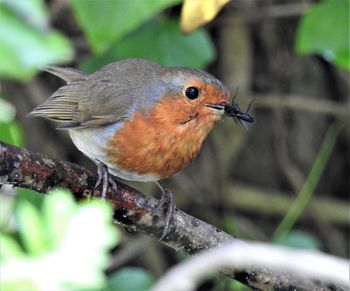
<point x="192" y="93"/>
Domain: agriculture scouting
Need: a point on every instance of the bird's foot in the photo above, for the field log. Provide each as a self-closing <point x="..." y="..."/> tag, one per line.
<point x="166" y="204"/>
<point x="105" y="179"/>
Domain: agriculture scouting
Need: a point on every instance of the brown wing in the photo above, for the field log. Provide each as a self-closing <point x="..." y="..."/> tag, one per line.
<point x="63" y="104"/>
<point x="67" y="74"/>
<point x="108" y="95"/>
<point x="86" y="100"/>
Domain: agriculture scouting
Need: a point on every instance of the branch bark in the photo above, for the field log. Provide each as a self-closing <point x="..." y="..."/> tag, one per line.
<point x="136" y="211"/>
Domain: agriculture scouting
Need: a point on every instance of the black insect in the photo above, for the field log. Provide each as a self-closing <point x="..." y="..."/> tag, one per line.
<point x="237" y="114"/>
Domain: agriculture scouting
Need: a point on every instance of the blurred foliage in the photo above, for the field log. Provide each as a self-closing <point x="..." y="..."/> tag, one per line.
<point x="45" y="240"/>
<point x="7" y="111"/>
<point x="43" y="249"/>
<point x="312" y="180"/>
<point x="10" y="130"/>
<point x="228" y="284"/>
<point x="162" y="42"/>
<point x="324" y="30"/>
<point x="27" y="42"/>
<point x="105" y="22"/>
<point x="114" y="35"/>
<point x="298" y="239"/>
<point x="29" y="196"/>
<point x="231" y="226"/>
<point x="133" y="279"/>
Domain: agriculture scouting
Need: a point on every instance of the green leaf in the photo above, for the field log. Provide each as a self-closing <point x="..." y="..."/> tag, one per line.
<point x="105" y="22"/>
<point x="11" y="132"/>
<point x="30" y="196"/>
<point x="298" y="239"/>
<point x="18" y="284"/>
<point x="161" y="41"/>
<point x="24" y="48"/>
<point x="6" y="213"/>
<point x="324" y="30"/>
<point x="31" y="228"/>
<point x="89" y="234"/>
<point x="59" y="205"/>
<point x="83" y="236"/>
<point x="131" y="279"/>
<point x="7" y="111"/>
<point x="228" y="284"/>
<point x="9" y="248"/>
<point x="33" y="12"/>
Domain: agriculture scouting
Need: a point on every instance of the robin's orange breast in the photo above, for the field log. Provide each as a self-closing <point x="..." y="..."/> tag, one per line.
<point x="161" y="141"/>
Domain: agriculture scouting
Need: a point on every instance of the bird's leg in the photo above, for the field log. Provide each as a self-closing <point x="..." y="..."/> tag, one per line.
<point x="104" y="178"/>
<point x="102" y="171"/>
<point x="100" y="168"/>
<point x="111" y="181"/>
<point x="166" y="204"/>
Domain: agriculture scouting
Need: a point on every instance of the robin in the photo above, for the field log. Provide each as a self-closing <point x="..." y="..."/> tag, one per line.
<point x="138" y="120"/>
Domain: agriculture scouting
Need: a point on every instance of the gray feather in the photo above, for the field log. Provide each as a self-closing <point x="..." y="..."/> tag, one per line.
<point x="113" y="93"/>
<point x="67" y="74"/>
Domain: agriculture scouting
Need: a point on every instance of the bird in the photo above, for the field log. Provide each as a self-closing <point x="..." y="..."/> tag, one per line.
<point x="138" y="120"/>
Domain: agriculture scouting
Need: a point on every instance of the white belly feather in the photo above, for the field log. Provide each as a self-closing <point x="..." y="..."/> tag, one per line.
<point x="93" y="142"/>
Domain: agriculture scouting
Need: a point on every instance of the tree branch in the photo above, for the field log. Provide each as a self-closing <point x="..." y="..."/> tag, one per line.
<point x="136" y="211"/>
<point x="307" y="263"/>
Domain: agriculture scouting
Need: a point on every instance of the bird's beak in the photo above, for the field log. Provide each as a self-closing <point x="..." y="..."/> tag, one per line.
<point x="218" y="108"/>
<point x="231" y="110"/>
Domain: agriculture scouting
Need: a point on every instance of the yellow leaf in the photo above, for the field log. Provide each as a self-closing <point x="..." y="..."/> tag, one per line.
<point x="196" y="13"/>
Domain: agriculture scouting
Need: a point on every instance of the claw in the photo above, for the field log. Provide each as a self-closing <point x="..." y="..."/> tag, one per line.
<point x="166" y="204"/>
<point x="105" y="179"/>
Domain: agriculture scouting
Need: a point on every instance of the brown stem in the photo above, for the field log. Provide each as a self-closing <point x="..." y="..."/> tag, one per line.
<point x="23" y="168"/>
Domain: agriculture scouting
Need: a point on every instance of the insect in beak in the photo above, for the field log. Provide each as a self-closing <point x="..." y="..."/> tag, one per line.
<point x="236" y="113"/>
<point x="233" y="110"/>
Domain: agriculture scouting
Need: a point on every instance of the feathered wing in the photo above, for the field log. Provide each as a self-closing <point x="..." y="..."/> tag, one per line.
<point x="66" y="74"/>
<point x="102" y="98"/>
<point x="80" y="103"/>
<point x="63" y="105"/>
<point x="84" y="102"/>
